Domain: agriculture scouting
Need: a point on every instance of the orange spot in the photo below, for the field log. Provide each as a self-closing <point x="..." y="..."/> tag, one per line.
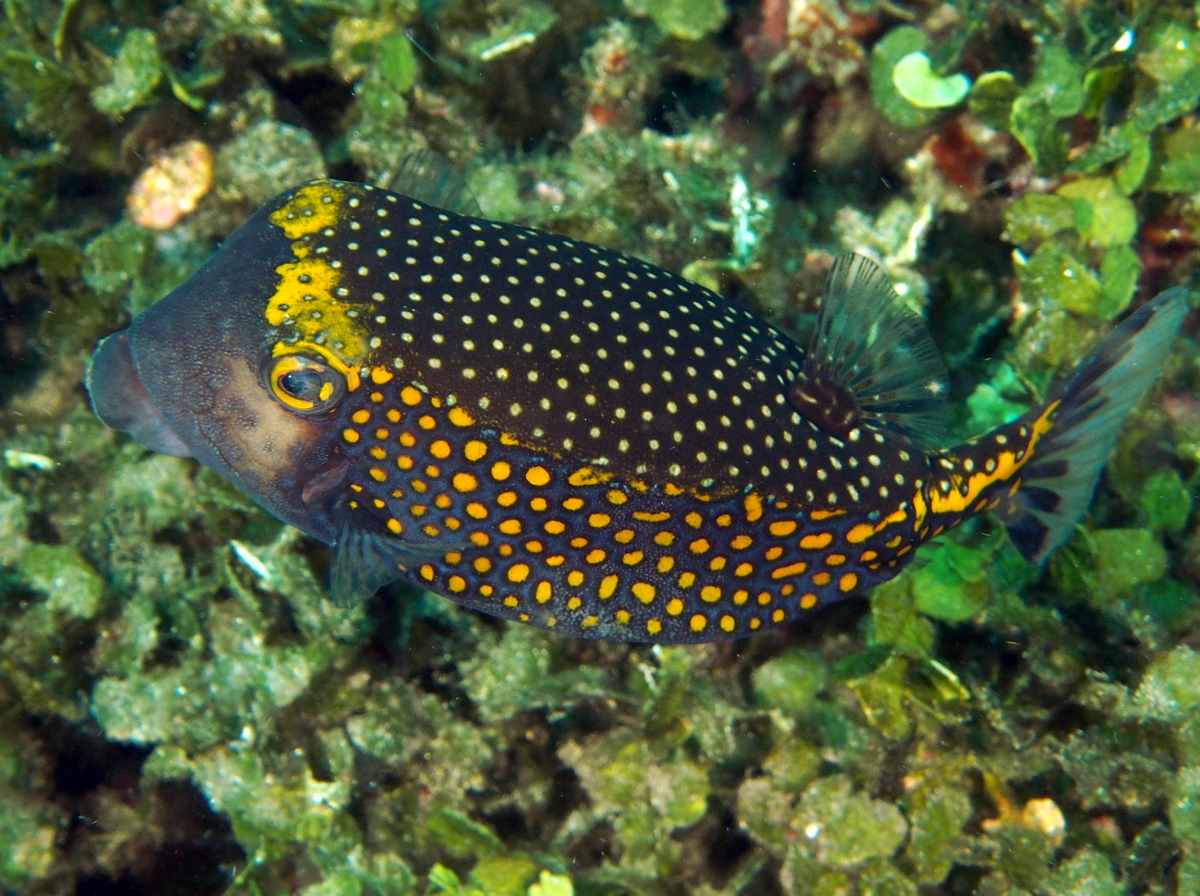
<point x="728" y="623"/>
<point x="651" y="517"/>
<point x="350" y="435"/>
<point x="506" y="499"/>
<point x="644" y="591"/>
<point x="753" y="505"/>
<point x="501" y="470"/>
<point x="608" y="586"/>
<point x="717" y="564"/>
<point x="477" y="511"/>
<point x="393" y="415"/>
<point x="778" y="615"/>
<point x="395" y="526"/>
<point x="459" y="417"/>
<point x="361" y="416"/>
<point x="674" y="606"/>
<point x="518" y="572"/>
<point x="510" y="527"/>
<point x="699" y="546"/>
<point x="543" y="592"/>
<point x="741" y="542"/>
<point x="482" y="564"/>
<point x="623" y="536"/>
<point x="440" y="449"/>
<point x="835" y="559"/>
<point x="426" y="422"/>
<point x="481" y="539"/>
<point x="599" y="520"/>
<point x="538" y="476"/>
<point x="808" y="601"/>
<point x="378" y="475"/>
<point x="821" y="578"/>
<point x="694" y="520"/>
<point x="427" y="572"/>
<point x="474" y="450"/>
<point x="698" y="623"/>
<point x="572" y="503"/>
<point x="465" y="482"/>
<point x="792" y="570"/>
<point x="687" y="580"/>
<point x="653" y="626"/>
<point x="816" y="542"/>
<point x="617" y="497"/>
<point x="783" y="528"/>
<point x="380" y="375"/>
<point x="710" y="593"/>
<point x="848" y="582"/>
<point x="633" y="558"/>
<point x="574" y="578"/>
<point x="741" y="596"/>
<point x="457" y="583"/>
<point x="664" y="538"/>
<point x="596" y="556"/>
<point x="744" y="569"/>
<point x="666" y="564"/>
<point x="410" y="396"/>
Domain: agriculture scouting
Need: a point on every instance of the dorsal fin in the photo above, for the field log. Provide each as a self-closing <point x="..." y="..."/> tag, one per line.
<point x="871" y="361"/>
<point x="431" y="178"/>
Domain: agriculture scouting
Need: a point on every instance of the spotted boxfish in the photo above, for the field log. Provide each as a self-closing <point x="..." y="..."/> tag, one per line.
<point x="553" y="432"/>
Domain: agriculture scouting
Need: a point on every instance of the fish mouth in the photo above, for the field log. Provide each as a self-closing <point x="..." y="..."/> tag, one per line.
<point x="121" y="401"/>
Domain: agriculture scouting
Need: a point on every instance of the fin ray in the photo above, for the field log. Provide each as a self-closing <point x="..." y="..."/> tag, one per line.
<point x="364" y="562"/>
<point x="868" y="342"/>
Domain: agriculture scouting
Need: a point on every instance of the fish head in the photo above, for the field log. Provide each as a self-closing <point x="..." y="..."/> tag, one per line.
<point x="223" y="370"/>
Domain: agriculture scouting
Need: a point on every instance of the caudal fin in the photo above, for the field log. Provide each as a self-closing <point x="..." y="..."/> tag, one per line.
<point x="1058" y="482"/>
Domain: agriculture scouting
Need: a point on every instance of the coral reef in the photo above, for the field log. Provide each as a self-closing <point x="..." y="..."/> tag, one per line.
<point x="185" y="711"/>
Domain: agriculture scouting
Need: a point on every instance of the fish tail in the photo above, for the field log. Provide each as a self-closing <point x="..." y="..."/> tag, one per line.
<point x="1084" y="414"/>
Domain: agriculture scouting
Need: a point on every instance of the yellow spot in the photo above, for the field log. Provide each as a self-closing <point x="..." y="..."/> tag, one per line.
<point x="554" y="527"/>
<point x="599" y="520"/>
<point x="377" y="397"/>
<point x="617" y="497"/>
<point x="572" y="503"/>
<point x="588" y="476"/>
<point x="378" y="453"/>
<point x="741" y="542"/>
<point x="608" y="587"/>
<point x="417" y="509"/>
<point x="440" y="449"/>
<point x="666" y="564"/>
<point x="792" y="570"/>
<point x="848" y="582"/>
<point x="351" y="435"/>
<point x="395" y="526"/>
<point x="835" y="559"/>
<point x="506" y="499"/>
<point x="410" y="395"/>
<point x="555" y="560"/>
<point x="623" y="617"/>
<point x="808" y="601"/>
<point x="459" y="417"/>
<point x="427" y="572"/>
<point x="457" y="583"/>
<point x="511" y="601"/>
<point x="741" y="596"/>
<point x="698" y="623"/>
<point x="694" y="520"/>
<point x="653" y="626"/>
<point x="433" y="472"/>
<point x="538" y="504"/>
<point x="644" y="591"/>
<point x="778" y="615"/>
<point x="380" y="376"/>
<point x="860" y="533"/>
<point x="724" y="519"/>
<point x="420" y="486"/>
<point x="574" y="578"/>
<point x="426" y="422"/>
<point x="596" y="556"/>
<point x="474" y="450"/>
<point x="311" y="209"/>
<point x="589" y="621"/>
<point x="361" y="416"/>
<point x="753" y="505"/>
<point x="543" y="592"/>
<point x="624" y="536"/>
<point x="407" y="439"/>
<point x="819" y="515"/>
<point x="783" y="528"/>
<point x="755" y="624"/>
<point x="774" y="553"/>
<point x="482" y="564"/>
<point x="518" y="572"/>
<point x="404" y="462"/>
<point x="477" y="511"/>
<point x="510" y="527"/>
<point x="480" y="539"/>
<point x="699" y="546"/>
<point x="378" y="475"/>
<point x="538" y="476"/>
<point x="633" y="558"/>
<point x="744" y="569"/>
<point x="664" y="538"/>
<point x="822" y="578"/>
<point x="651" y="517"/>
<point x="534" y="546"/>
<point x="710" y="593"/>
<point x="393" y="415"/>
<point x="687" y="580"/>
<point x="816" y="542"/>
<point x="501" y="470"/>
<point x="717" y="564"/>
<point x="381" y="433"/>
<point x="868" y="556"/>
<point x="674" y="606"/>
<point x="465" y="482"/>
<point x="728" y="623"/>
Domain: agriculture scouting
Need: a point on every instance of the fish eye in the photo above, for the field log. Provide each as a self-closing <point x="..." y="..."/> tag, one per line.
<point x="306" y="385"/>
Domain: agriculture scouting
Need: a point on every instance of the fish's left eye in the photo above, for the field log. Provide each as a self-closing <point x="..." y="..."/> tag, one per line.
<point x="306" y="385"/>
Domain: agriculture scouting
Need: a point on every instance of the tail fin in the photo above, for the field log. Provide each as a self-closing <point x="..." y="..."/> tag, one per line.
<point x="1058" y="482"/>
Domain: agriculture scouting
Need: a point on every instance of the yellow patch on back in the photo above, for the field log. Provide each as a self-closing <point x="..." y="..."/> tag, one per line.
<point x="311" y="209"/>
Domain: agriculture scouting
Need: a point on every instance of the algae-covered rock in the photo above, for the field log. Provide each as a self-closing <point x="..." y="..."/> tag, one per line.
<point x="137" y="70"/>
<point x="842" y="828"/>
<point x="267" y="159"/>
<point x="69" y="582"/>
<point x="686" y="19"/>
<point x="790" y="681"/>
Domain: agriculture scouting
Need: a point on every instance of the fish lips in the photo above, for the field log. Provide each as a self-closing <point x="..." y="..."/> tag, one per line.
<point x="185" y="378"/>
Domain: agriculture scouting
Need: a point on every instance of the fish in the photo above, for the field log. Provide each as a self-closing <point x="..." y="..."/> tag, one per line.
<point x="555" y="433"/>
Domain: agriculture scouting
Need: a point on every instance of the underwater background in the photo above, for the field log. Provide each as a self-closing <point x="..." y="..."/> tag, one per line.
<point x="183" y="711"/>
